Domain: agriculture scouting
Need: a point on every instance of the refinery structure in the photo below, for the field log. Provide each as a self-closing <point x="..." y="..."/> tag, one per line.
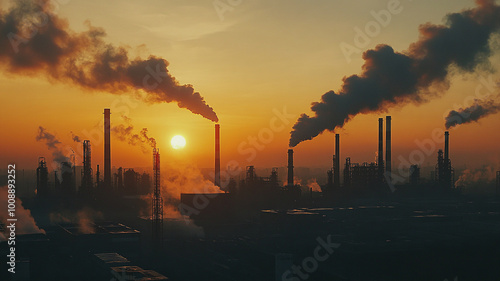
<point x="120" y="222"/>
<point x="337" y="200"/>
<point x="344" y="181"/>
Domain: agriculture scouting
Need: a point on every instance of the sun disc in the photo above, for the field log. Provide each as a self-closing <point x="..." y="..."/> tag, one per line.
<point x="178" y="142"/>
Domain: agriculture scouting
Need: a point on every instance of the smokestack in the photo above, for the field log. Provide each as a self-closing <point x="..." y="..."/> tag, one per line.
<point x="73" y="160"/>
<point x="290" y="167"/>
<point x="97" y="178"/>
<point x="498" y="183"/>
<point x="87" y="166"/>
<point x="388" y="145"/>
<point x="107" y="149"/>
<point x="381" y="146"/>
<point x="56" y="182"/>
<point x="217" y="155"/>
<point x="42" y="178"/>
<point x="446" y="147"/>
<point x="157" y="206"/>
<point x="337" y="161"/>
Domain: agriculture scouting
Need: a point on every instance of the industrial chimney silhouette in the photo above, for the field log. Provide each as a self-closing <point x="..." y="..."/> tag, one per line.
<point x="388" y="151"/>
<point x="336" y="175"/>
<point x="446" y="147"/>
<point x="107" y="149"/>
<point x="217" y="155"/>
<point x="290" y="167"/>
<point x="380" y="148"/>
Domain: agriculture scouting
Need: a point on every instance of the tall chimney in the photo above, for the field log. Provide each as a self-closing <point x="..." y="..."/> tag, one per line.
<point x="87" y="166"/>
<point x="446" y="147"/>
<point x="217" y="155"/>
<point x="380" y="147"/>
<point x="336" y="179"/>
<point x="97" y="178"/>
<point x="107" y="149"/>
<point x="290" y="167"/>
<point x="388" y="145"/>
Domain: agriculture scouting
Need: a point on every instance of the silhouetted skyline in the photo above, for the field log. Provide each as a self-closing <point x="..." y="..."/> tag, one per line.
<point x="326" y="140"/>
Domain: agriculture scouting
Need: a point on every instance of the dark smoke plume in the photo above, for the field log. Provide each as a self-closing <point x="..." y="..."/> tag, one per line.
<point x="52" y="144"/>
<point x="34" y="40"/>
<point x="389" y="78"/>
<point x="75" y="137"/>
<point x="151" y="141"/>
<point x="126" y="133"/>
<point x="50" y="140"/>
<point x="472" y="113"/>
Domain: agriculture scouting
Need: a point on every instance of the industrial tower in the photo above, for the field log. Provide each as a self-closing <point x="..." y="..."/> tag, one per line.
<point x="380" y="154"/>
<point x="290" y="167"/>
<point x="107" y="149"/>
<point x="217" y="155"/>
<point x="366" y="174"/>
<point x="445" y="174"/>
<point x="42" y="178"/>
<point x="498" y="183"/>
<point x="87" y="167"/>
<point x="157" y="216"/>
<point x="388" y="149"/>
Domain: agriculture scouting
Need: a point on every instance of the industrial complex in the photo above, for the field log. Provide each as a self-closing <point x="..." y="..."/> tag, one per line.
<point x="118" y="227"/>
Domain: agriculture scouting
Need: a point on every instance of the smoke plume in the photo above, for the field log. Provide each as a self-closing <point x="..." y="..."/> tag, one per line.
<point x="151" y="141"/>
<point x="297" y="181"/>
<point x="85" y="219"/>
<point x="181" y="178"/>
<point x="185" y="178"/>
<point x="126" y="133"/>
<point x="34" y="40"/>
<point x="52" y="144"/>
<point x="25" y="222"/>
<point x="313" y="184"/>
<point x="75" y="137"/>
<point x="473" y="113"/>
<point x="481" y="180"/>
<point x="390" y="78"/>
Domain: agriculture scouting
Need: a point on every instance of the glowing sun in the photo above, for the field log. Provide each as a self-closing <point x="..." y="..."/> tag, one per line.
<point x="178" y="142"/>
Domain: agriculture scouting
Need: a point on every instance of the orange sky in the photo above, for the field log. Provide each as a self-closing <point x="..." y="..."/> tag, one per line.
<point x="261" y="57"/>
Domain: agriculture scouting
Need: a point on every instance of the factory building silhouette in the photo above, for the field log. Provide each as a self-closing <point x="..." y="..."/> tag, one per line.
<point x="253" y="222"/>
<point x="253" y="190"/>
<point x="365" y="176"/>
<point x="107" y="149"/>
<point x="42" y="178"/>
<point x="123" y="181"/>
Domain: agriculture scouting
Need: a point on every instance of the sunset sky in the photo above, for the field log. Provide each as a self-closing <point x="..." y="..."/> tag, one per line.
<point x="248" y="62"/>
